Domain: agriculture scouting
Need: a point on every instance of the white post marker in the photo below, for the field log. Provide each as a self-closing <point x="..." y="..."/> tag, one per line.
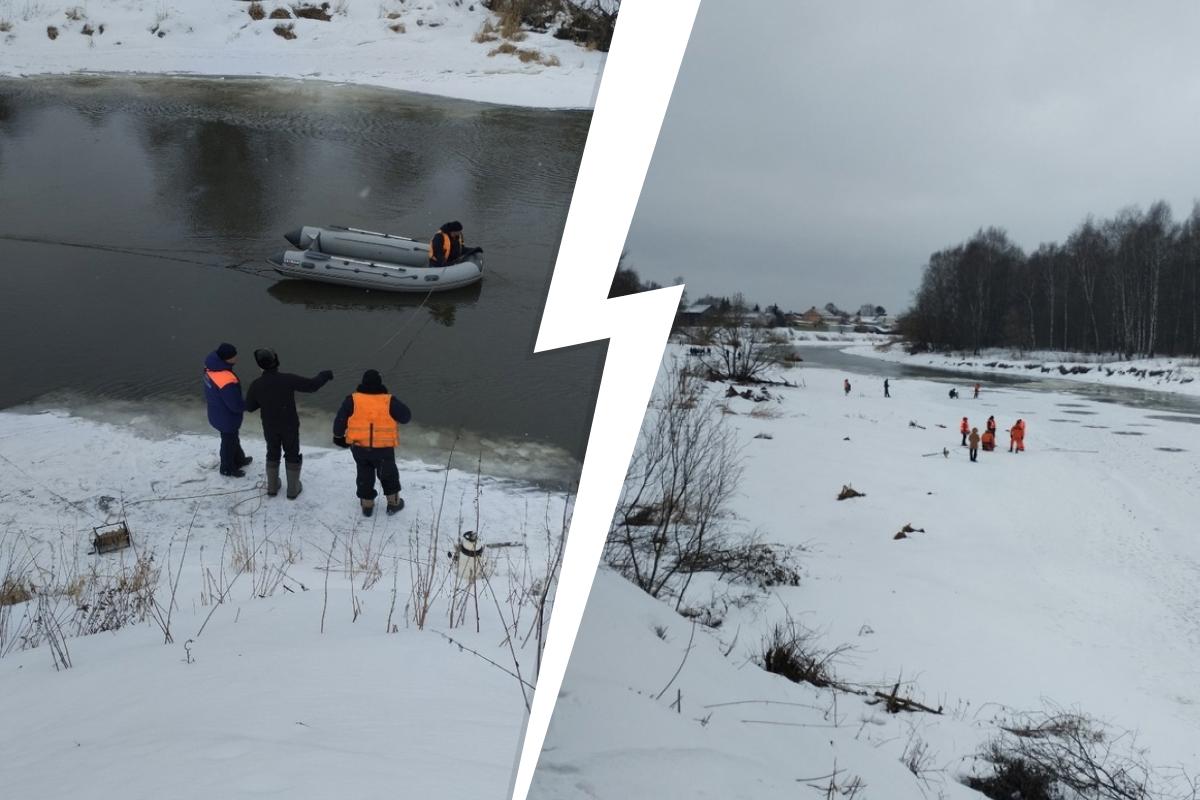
<point x="639" y="75"/>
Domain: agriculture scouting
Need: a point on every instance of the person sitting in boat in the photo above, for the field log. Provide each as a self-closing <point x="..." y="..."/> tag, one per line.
<point x="446" y="247"/>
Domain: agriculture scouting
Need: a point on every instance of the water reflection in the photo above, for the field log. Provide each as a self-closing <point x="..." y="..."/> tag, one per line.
<point x="314" y="296"/>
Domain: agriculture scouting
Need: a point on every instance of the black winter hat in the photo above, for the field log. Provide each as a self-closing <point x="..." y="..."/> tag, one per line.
<point x="266" y="358"/>
<point x="452" y="227"/>
<point x="372" y="379"/>
<point x="226" y="351"/>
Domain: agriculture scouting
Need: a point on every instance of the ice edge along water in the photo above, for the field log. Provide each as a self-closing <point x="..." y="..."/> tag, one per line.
<point x="434" y="54"/>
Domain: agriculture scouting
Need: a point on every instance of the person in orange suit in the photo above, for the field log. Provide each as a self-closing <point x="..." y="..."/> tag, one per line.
<point x="964" y="429"/>
<point x="989" y="440"/>
<point x="1018" y="436"/>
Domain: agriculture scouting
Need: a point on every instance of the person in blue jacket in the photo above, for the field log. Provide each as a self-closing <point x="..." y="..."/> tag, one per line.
<point x="223" y="393"/>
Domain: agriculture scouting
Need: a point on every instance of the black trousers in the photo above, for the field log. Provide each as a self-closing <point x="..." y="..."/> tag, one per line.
<point x="231" y="451"/>
<point x="974" y="453"/>
<point x="287" y="441"/>
<point x="373" y="462"/>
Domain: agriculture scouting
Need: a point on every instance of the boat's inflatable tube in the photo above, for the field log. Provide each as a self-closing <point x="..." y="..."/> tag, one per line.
<point x="379" y="275"/>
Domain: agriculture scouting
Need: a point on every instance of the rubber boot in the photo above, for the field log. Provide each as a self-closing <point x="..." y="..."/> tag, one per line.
<point x="272" y="478"/>
<point x="368" y="507"/>
<point x="394" y="503"/>
<point x="294" y="487"/>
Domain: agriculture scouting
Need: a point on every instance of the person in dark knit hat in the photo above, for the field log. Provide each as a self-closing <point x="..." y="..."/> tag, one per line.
<point x="274" y="393"/>
<point x="446" y="247"/>
<point x="223" y="394"/>
<point x="368" y="423"/>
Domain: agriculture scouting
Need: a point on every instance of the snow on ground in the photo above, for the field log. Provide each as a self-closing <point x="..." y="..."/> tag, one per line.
<point x="261" y="702"/>
<point x="1069" y="574"/>
<point x="421" y="46"/>
<point x="1177" y="375"/>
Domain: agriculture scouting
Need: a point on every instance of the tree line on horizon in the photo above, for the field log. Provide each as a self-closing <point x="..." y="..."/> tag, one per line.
<point x="1128" y="285"/>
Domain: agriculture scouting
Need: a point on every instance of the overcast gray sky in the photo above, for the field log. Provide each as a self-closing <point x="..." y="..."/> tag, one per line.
<point x="818" y="151"/>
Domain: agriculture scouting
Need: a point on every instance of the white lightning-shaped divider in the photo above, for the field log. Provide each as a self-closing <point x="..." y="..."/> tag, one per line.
<point x="639" y="74"/>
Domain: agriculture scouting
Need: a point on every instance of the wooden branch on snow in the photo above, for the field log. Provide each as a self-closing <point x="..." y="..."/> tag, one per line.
<point x="848" y="491"/>
<point x="895" y="703"/>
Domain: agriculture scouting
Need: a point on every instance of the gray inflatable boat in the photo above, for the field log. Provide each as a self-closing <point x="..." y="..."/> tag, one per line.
<point x="370" y="260"/>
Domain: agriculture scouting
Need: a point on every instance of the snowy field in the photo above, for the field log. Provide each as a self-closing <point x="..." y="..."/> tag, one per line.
<point x="1067" y="576"/>
<point x="297" y="667"/>
<point x="1160" y="374"/>
<point x="423" y="46"/>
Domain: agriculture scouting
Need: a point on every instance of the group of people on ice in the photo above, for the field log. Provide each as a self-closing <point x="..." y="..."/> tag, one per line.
<point x="973" y="439"/>
<point x="367" y="423"/>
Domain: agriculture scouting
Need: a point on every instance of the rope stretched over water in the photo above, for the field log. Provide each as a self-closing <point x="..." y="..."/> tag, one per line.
<point x="145" y="252"/>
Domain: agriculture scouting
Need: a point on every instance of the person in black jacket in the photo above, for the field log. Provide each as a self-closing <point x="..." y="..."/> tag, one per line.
<point x="274" y="393"/>
<point x="368" y="423"/>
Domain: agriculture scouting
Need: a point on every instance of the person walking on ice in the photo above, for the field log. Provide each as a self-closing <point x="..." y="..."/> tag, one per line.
<point x="886" y="388"/>
<point x="846" y="386"/>
<point x="368" y="423"/>
<point x="976" y="397"/>
<point x="1016" y="436"/>
<point x="964" y="428"/>
<point x="974" y="442"/>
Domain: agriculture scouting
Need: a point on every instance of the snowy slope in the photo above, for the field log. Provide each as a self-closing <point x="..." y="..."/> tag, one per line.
<point x="1067" y="574"/>
<point x="296" y="685"/>
<point x="421" y="46"/>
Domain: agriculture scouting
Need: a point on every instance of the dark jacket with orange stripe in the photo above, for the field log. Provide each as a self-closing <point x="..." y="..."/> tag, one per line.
<point x="398" y="412"/>
<point x="223" y="394"/>
<point x="444" y="249"/>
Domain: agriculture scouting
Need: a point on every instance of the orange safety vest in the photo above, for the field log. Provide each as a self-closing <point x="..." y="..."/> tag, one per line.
<point x="220" y="378"/>
<point x="371" y="424"/>
<point x="444" y="239"/>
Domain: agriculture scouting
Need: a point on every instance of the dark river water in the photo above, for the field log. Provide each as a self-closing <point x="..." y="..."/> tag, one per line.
<point x="123" y="203"/>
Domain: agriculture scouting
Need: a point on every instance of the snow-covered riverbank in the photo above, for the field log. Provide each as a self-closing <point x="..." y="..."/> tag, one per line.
<point x="1067" y="574"/>
<point x="427" y="46"/>
<point x="311" y="679"/>
<point x="1179" y="375"/>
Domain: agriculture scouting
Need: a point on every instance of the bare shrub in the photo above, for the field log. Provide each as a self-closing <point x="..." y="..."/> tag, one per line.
<point x="75" y="13"/>
<point x="684" y="471"/>
<point x="256" y="11"/>
<point x="526" y="56"/>
<point x="505" y="48"/>
<point x="588" y="25"/>
<point x="285" y="31"/>
<point x="5" y="26"/>
<point x="794" y="652"/>
<point x="515" y="16"/>
<point x="87" y="29"/>
<point x="320" y="13"/>
<point x="485" y="34"/>
<point x="280" y="13"/>
<point x="398" y="27"/>
<point x="14" y="591"/>
<point x="52" y="32"/>
<point x="1055" y="754"/>
<point x="756" y="563"/>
